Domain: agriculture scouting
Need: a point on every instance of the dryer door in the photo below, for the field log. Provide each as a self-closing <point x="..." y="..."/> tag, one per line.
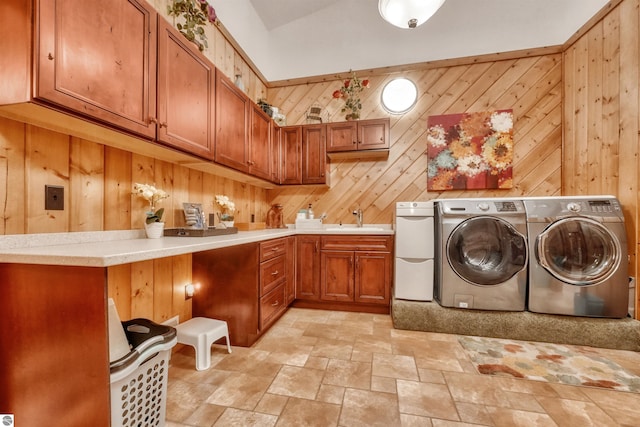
<point x="485" y="250"/>
<point x="578" y="251"/>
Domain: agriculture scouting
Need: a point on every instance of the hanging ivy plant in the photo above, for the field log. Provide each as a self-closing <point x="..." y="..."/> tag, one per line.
<point x="196" y="14"/>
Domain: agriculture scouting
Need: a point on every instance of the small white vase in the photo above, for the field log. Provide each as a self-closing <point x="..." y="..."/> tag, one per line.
<point x="154" y="230"/>
<point x="227" y="224"/>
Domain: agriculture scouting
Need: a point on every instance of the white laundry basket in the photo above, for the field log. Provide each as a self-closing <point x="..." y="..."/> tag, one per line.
<point x="139" y="380"/>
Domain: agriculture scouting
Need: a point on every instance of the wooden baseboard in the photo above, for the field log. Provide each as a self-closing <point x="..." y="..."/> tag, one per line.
<point x="341" y="306"/>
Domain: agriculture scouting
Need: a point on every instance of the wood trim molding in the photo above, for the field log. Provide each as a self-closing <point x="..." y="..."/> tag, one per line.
<point x="420" y="66"/>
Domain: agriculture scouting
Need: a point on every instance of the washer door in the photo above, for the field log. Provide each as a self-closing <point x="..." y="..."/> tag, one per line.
<point x="485" y="250"/>
<point x="578" y="251"/>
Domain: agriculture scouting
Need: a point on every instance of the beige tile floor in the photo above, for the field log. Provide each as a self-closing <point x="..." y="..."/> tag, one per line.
<point x="329" y="368"/>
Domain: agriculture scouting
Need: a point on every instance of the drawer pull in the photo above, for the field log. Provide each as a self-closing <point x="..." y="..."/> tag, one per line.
<point x="275" y="273"/>
<point x="275" y="304"/>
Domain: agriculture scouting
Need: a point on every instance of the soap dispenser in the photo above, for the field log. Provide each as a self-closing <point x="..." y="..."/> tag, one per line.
<point x="310" y="214"/>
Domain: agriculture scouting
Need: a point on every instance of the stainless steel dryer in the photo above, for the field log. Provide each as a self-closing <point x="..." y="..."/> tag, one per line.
<point x="578" y="262"/>
<point x="481" y="254"/>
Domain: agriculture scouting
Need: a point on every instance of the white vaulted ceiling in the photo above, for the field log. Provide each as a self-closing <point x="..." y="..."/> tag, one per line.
<point x="289" y="39"/>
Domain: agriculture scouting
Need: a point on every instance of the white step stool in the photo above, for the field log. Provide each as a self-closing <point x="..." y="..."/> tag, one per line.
<point x="200" y="333"/>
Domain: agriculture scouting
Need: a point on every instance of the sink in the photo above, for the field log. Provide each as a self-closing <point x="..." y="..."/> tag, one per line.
<point x="350" y="229"/>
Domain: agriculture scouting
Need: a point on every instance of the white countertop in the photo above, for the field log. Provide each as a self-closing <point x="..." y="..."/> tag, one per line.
<point x="107" y="248"/>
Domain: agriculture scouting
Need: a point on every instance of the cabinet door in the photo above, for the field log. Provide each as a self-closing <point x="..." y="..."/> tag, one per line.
<point x="260" y="144"/>
<point x="308" y="267"/>
<point x="98" y="59"/>
<point x="186" y="94"/>
<point x="373" y="134"/>
<point x="291" y="269"/>
<point x="336" y="277"/>
<point x="232" y="121"/>
<point x="342" y="136"/>
<point x="314" y="155"/>
<point x="372" y="277"/>
<point x="291" y="151"/>
<point x="276" y="143"/>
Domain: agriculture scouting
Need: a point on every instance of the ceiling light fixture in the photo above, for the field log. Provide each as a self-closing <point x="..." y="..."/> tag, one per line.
<point x="408" y="13"/>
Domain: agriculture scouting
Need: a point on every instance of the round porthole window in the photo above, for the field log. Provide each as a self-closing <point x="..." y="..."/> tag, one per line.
<point x="399" y="95"/>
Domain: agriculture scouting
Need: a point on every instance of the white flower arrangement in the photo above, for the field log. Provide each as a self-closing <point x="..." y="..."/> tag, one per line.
<point x="227" y="206"/>
<point x="153" y="195"/>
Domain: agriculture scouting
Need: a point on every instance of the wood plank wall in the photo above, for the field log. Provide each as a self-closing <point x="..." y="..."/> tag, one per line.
<point x="530" y="85"/>
<point x="602" y="114"/>
<point x="98" y="184"/>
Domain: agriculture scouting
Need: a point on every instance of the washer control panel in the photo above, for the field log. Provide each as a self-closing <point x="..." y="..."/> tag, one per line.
<point x="604" y="206"/>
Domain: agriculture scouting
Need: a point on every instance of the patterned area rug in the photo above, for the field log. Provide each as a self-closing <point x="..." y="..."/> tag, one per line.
<point x="554" y="363"/>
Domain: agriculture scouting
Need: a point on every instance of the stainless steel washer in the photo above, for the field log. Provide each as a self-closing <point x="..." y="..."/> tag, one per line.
<point x="481" y="254"/>
<point x="578" y="263"/>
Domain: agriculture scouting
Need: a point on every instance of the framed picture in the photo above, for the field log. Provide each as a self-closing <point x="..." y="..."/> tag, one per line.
<point x="469" y="151"/>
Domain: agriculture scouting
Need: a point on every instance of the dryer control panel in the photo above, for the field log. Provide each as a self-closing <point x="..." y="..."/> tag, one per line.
<point x="599" y="206"/>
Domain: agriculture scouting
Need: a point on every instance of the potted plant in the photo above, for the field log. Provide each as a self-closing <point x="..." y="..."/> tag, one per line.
<point x="153" y="224"/>
<point x="227" y="208"/>
<point x="350" y="92"/>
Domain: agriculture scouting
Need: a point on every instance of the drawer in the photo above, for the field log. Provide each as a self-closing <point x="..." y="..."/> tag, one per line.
<point x="358" y="243"/>
<point x="271" y="305"/>
<point x="272" y="248"/>
<point x="272" y="273"/>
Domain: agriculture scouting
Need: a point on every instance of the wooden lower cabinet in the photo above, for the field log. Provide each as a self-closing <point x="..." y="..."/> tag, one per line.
<point x="244" y="285"/>
<point x="273" y="281"/>
<point x="291" y="269"/>
<point x="344" y="272"/>
<point x="308" y="267"/>
<point x="336" y="276"/>
<point x="54" y="362"/>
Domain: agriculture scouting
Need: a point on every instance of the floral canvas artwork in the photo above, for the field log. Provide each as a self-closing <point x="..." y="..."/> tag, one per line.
<point x="470" y="151"/>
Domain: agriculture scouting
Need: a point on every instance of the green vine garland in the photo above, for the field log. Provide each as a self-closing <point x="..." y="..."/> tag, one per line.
<point x="196" y="14"/>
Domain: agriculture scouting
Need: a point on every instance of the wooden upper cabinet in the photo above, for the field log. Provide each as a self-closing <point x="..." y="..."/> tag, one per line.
<point x="358" y="135"/>
<point x="275" y="152"/>
<point x="342" y="136"/>
<point x="232" y="121"/>
<point x="314" y="154"/>
<point x="98" y="59"/>
<point x="373" y="134"/>
<point x="186" y="94"/>
<point x="260" y="144"/>
<point x="291" y="155"/>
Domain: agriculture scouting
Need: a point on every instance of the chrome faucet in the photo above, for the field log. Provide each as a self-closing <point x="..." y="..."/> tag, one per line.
<point x="359" y="217"/>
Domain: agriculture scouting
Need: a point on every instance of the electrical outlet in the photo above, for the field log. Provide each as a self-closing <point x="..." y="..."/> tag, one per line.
<point x="54" y="197"/>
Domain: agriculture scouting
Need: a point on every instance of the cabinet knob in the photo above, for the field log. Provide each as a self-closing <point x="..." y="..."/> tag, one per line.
<point x="163" y="124"/>
<point x="153" y="120"/>
<point x="251" y="163"/>
<point x="354" y="143"/>
<point x="50" y="57"/>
